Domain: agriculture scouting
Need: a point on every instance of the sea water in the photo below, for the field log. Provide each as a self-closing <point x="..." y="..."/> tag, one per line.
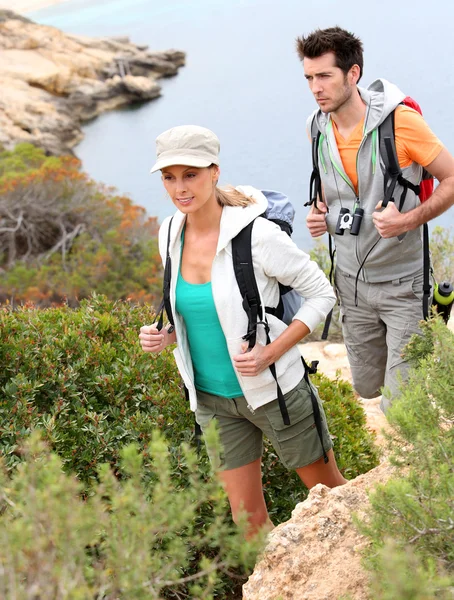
<point x="244" y="80"/>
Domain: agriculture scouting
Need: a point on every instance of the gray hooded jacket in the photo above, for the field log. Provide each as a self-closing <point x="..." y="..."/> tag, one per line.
<point x="381" y="259"/>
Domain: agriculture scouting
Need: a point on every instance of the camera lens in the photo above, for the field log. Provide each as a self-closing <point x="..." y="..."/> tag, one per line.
<point x="342" y="213"/>
<point x="356" y="221"/>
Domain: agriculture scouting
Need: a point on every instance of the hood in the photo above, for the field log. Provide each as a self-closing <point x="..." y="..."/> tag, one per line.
<point x="381" y="97"/>
<point x="233" y="218"/>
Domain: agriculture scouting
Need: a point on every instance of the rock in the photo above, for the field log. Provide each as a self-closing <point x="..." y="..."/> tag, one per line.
<point x="7" y="15"/>
<point x="142" y="86"/>
<point x="51" y="82"/>
<point x="335" y="350"/>
<point x="316" y="555"/>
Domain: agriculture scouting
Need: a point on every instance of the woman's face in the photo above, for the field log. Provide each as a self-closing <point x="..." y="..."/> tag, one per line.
<point x="190" y="188"/>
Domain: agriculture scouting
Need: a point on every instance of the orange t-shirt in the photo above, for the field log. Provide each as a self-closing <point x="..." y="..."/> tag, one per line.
<point x="415" y="142"/>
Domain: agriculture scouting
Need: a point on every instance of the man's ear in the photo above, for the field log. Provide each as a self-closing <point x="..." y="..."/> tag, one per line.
<point x="354" y="74"/>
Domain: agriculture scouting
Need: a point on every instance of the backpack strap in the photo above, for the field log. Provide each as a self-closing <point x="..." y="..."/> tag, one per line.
<point x="393" y="172"/>
<point x="426" y="271"/>
<point x="315" y="184"/>
<point x="245" y="277"/>
<point x="247" y="283"/>
<point x="315" y="191"/>
<point x="393" y="175"/>
<point x="311" y="370"/>
<point x="329" y="317"/>
<point x="165" y="302"/>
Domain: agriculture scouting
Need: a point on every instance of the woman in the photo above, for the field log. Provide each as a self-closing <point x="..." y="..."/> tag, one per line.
<point x="226" y="381"/>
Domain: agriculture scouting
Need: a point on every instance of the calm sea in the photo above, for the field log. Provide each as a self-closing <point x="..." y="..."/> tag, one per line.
<point x="243" y="80"/>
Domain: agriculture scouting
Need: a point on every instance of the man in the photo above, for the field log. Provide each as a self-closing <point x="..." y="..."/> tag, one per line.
<point x="379" y="272"/>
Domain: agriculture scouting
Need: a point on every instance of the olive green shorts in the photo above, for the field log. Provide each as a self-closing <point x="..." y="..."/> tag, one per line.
<point x="241" y="431"/>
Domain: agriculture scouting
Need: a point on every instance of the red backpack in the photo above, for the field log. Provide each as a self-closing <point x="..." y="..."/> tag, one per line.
<point x="389" y="155"/>
<point x="427" y="183"/>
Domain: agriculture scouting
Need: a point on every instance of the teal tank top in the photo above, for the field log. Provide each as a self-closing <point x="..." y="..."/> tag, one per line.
<point x="213" y="370"/>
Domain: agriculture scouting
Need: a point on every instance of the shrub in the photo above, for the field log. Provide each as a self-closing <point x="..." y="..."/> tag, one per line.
<point x="442" y="253"/>
<point x="63" y="236"/>
<point x="126" y="541"/>
<point x="416" y="508"/>
<point x="81" y="376"/>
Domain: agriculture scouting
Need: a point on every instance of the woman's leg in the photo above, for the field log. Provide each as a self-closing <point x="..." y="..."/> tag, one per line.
<point x="319" y="472"/>
<point x="244" y="490"/>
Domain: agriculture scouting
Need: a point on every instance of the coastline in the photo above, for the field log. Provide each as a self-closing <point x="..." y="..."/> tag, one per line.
<point x="24" y="7"/>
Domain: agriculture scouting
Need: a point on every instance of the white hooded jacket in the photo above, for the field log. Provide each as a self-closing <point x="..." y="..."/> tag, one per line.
<point x="276" y="258"/>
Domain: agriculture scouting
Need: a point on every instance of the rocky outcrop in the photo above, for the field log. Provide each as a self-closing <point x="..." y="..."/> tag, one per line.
<point x="316" y="555"/>
<point x="51" y="82"/>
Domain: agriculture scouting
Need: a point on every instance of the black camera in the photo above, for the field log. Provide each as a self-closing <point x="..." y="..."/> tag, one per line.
<point x="346" y="220"/>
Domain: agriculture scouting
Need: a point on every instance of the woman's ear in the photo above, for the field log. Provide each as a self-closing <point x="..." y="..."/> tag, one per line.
<point x="215" y="173"/>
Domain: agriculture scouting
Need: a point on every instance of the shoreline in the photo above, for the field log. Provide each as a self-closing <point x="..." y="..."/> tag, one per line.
<point x="24" y="7"/>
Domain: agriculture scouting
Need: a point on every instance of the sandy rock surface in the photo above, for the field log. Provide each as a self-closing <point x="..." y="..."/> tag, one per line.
<point x="51" y="82"/>
<point x="317" y="554"/>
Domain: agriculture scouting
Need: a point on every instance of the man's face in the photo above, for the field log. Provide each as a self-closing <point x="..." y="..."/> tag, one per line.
<point x="330" y="86"/>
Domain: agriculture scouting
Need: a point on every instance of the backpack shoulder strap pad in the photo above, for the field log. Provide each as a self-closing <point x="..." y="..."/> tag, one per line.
<point x="165" y="302"/>
<point x="245" y="277"/>
<point x="388" y="154"/>
<point x="315" y="185"/>
<point x="388" y="150"/>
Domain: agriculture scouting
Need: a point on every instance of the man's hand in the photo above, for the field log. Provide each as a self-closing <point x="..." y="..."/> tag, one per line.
<point x="153" y="340"/>
<point x="389" y="222"/>
<point x="250" y="364"/>
<point x="316" y="219"/>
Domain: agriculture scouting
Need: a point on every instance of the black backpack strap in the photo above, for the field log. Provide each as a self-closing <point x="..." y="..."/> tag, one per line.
<point x="245" y="277"/>
<point x="393" y="172"/>
<point x="315" y="185"/>
<point x="426" y="271"/>
<point x="315" y="406"/>
<point x="393" y="175"/>
<point x="329" y="317"/>
<point x="165" y="302"/>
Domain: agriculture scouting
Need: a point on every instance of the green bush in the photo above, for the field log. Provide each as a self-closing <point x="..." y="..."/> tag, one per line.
<point x="126" y="541"/>
<point x="64" y="236"/>
<point x="81" y="377"/>
<point x="416" y="508"/>
<point x="442" y="253"/>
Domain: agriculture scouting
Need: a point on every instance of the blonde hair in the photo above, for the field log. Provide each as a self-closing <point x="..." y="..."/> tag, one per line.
<point x="229" y="196"/>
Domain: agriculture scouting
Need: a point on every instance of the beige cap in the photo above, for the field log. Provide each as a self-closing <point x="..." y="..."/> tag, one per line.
<point x="186" y="145"/>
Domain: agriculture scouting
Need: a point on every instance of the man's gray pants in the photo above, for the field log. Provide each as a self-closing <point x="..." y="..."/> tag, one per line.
<point x="376" y="328"/>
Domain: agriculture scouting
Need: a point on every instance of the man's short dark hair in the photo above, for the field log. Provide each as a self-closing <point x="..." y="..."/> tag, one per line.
<point x="346" y="47"/>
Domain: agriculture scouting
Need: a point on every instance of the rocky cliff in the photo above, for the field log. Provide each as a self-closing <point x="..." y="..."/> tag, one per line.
<point x="50" y="82"/>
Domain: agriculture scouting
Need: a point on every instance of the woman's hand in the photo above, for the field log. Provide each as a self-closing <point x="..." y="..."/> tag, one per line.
<point x="250" y="364"/>
<point x="153" y="340"/>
